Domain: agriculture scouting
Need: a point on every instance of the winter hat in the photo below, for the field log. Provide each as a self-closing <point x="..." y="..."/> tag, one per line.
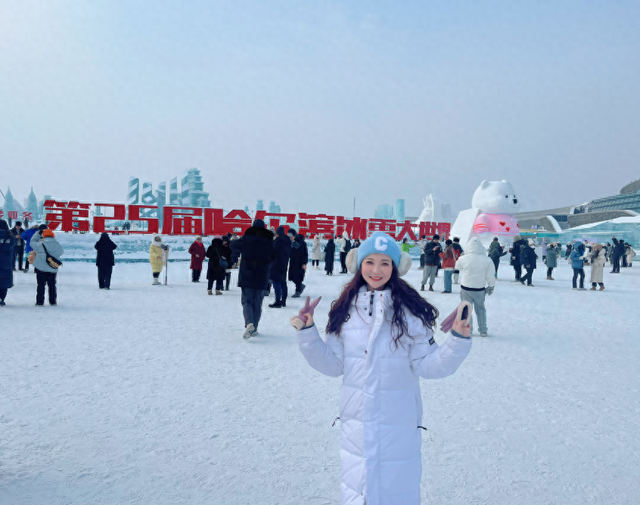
<point x="259" y="223"/>
<point x="157" y="239"/>
<point x="18" y="223"/>
<point x="217" y="237"/>
<point x="381" y="243"/>
<point x="292" y="232"/>
<point x="48" y="233"/>
<point x="280" y="231"/>
<point x="3" y="225"/>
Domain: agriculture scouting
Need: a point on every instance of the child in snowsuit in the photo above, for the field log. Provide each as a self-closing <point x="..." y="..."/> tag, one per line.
<point x="380" y="338"/>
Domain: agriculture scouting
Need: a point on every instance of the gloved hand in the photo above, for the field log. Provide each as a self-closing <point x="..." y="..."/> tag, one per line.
<point x="304" y="318"/>
<point x="489" y="290"/>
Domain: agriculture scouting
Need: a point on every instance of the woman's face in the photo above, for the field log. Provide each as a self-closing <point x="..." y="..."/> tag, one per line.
<point x="376" y="270"/>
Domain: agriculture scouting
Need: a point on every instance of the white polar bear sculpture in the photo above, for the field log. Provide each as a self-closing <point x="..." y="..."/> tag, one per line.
<point x="493" y="205"/>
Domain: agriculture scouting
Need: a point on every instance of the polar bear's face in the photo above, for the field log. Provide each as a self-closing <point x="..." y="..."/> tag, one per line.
<point x="496" y="197"/>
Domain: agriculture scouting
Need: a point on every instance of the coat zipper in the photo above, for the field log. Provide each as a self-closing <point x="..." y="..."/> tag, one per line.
<point x="371" y="305"/>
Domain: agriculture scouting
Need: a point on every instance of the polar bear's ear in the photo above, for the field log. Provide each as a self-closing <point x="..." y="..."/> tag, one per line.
<point x="352" y="260"/>
<point x="405" y="263"/>
<point x="484" y="184"/>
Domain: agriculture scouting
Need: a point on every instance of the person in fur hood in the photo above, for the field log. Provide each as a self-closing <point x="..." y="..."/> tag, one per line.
<point x="158" y="253"/>
<point x="380" y="339"/>
<point x="477" y="279"/>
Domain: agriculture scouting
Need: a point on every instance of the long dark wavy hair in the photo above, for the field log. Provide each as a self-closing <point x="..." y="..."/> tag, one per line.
<point x="402" y="294"/>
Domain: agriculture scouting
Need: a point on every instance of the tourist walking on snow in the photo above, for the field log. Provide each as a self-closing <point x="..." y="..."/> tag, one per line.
<point x="345" y="247"/>
<point x="18" y="254"/>
<point x="431" y="261"/>
<point x="597" y="267"/>
<point x="515" y="251"/>
<point x="577" y="264"/>
<point x="298" y="262"/>
<point x="105" y="260"/>
<point x="44" y="243"/>
<point x="477" y="280"/>
<point x="158" y="254"/>
<point x="197" y="253"/>
<point x="316" y="252"/>
<point x="7" y="245"/>
<point x="496" y="251"/>
<point x="552" y="260"/>
<point x="219" y="259"/>
<point x="544" y="248"/>
<point x="448" y="264"/>
<point x="567" y="253"/>
<point x="329" y="255"/>
<point x="256" y="249"/>
<point x="278" y="273"/>
<point x="528" y="259"/>
<point x="380" y="339"/>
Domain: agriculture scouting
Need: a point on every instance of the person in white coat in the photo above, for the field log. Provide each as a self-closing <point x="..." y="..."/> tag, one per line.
<point x="478" y="279"/>
<point x="380" y="339"/>
<point x="316" y="252"/>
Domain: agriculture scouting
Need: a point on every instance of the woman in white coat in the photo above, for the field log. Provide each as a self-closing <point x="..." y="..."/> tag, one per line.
<point x="597" y="267"/>
<point x="380" y="339"/>
<point x="316" y="252"/>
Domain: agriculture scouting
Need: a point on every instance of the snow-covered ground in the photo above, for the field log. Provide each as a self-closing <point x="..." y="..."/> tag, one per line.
<point x="149" y="395"/>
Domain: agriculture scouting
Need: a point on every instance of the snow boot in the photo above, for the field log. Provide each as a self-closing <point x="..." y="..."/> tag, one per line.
<point x="422" y="287"/>
<point x="284" y="302"/>
<point x="218" y="292"/>
<point x="483" y="334"/>
<point x="276" y="305"/>
<point x="593" y="288"/>
<point x="303" y="286"/>
<point x="248" y="331"/>
<point x="209" y="292"/>
<point x="156" y="282"/>
<point x="296" y="294"/>
<point x="601" y="287"/>
<point x="430" y="287"/>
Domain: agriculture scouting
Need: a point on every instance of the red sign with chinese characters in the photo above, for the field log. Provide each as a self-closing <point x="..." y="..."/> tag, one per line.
<point x="179" y="220"/>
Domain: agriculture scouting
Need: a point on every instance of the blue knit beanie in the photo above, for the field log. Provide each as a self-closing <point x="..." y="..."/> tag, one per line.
<point x="380" y="243"/>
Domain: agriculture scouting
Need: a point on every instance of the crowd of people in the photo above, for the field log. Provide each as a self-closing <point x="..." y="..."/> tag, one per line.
<point x="270" y="259"/>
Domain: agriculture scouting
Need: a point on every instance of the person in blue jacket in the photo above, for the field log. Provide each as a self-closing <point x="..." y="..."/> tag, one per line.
<point x="577" y="264"/>
<point x="7" y="244"/>
<point x="26" y="236"/>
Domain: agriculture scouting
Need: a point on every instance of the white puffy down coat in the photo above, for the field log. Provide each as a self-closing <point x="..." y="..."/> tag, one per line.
<point x="380" y="401"/>
<point x="476" y="268"/>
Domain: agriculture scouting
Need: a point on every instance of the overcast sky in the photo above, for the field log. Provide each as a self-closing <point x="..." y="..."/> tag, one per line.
<point x="314" y="103"/>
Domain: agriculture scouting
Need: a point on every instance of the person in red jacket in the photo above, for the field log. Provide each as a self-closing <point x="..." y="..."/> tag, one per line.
<point x="449" y="258"/>
<point x="197" y="252"/>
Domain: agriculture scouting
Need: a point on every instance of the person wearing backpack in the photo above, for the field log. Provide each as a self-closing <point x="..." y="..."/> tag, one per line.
<point x="44" y="244"/>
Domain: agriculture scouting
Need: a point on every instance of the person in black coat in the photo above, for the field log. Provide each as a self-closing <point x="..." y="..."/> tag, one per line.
<point x="257" y="253"/>
<point x="7" y="245"/>
<point x="229" y="256"/>
<point x="528" y="258"/>
<point x="329" y="255"/>
<point x="105" y="260"/>
<point x="515" y="251"/>
<point x="18" y="249"/>
<point x="616" y="254"/>
<point x="282" y="248"/>
<point x="298" y="263"/>
<point x="215" y="271"/>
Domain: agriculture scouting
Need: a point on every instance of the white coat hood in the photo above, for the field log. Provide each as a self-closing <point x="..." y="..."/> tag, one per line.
<point x="477" y="271"/>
